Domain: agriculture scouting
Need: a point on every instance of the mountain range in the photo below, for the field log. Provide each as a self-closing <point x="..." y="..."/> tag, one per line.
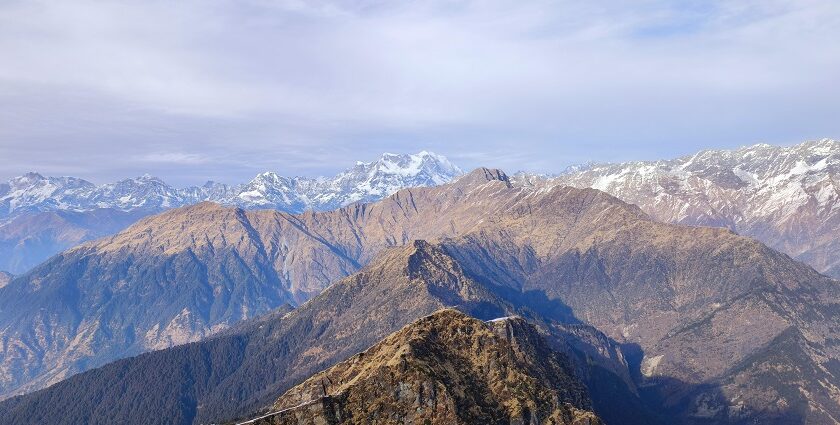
<point x="695" y="324"/>
<point x="786" y="197"/>
<point x="33" y="192"/>
<point x="42" y="216"/>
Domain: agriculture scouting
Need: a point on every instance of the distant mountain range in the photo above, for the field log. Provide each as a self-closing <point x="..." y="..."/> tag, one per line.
<point x="42" y="216"/>
<point x="786" y="197"/>
<point x="697" y="324"/>
<point x="366" y="181"/>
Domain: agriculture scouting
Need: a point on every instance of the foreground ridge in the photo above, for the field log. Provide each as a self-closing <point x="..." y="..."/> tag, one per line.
<point x="443" y="368"/>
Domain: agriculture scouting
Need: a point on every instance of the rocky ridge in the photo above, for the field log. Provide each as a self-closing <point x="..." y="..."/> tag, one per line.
<point x="244" y="368"/>
<point x="444" y="368"/>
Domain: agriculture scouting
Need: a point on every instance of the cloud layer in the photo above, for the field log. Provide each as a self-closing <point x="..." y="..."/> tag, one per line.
<point x="196" y="90"/>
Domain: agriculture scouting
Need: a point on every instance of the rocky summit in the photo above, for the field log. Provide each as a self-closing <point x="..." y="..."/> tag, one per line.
<point x="446" y="368"/>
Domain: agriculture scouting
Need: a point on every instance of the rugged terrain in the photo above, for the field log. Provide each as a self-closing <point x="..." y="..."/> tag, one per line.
<point x="244" y="368"/>
<point x="42" y="216"/>
<point x="707" y="318"/>
<point x="444" y="368"/>
<point x="366" y="181"/>
<point x="786" y="197"/>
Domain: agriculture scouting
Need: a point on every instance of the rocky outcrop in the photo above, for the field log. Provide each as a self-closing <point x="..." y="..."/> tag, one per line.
<point x="5" y="278"/>
<point x="444" y="368"/>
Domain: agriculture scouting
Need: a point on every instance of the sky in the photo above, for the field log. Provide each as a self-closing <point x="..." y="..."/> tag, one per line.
<point x="220" y="90"/>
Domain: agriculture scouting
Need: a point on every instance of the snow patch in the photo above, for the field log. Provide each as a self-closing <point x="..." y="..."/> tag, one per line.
<point x="649" y="365"/>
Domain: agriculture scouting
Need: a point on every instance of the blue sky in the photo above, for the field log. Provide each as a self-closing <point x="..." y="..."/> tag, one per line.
<point x="198" y="90"/>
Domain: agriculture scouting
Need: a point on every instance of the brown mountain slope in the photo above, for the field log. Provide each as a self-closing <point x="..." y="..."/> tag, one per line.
<point x="244" y="368"/>
<point x="565" y="253"/>
<point x="189" y="272"/>
<point x="444" y="368"/>
<point x="698" y="301"/>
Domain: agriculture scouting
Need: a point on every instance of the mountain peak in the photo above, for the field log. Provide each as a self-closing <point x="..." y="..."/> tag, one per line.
<point x="784" y="196"/>
<point x="417" y="360"/>
<point x="365" y="182"/>
<point x="33" y="176"/>
<point x="483" y="175"/>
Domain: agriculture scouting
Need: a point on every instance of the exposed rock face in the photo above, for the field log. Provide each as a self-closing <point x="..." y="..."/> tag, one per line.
<point x="444" y="368"/>
<point x="5" y="278"/>
<point x="786" y="197"/>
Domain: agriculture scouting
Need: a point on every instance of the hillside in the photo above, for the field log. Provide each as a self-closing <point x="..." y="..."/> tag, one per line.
<point x="244" y="369"/>
<point x="446" y="368"/>
<point x="42" y="216"/>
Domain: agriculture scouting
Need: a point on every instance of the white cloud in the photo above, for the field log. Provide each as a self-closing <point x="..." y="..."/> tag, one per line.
<point x="173" y="158"/>
<point x="277" y="77"/>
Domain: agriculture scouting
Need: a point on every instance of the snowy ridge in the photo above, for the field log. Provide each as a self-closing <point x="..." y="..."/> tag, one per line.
<point x="369" y="181"/>
<point x="787" y="197"/>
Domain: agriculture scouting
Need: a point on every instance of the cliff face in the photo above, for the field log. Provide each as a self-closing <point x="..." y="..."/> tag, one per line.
<point x="444" y="368"/>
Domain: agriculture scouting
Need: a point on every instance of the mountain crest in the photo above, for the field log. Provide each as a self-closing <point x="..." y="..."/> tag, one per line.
<point x="442" y="368"/>
<point x="483" y="175"/>
<point x="365" y="182"/>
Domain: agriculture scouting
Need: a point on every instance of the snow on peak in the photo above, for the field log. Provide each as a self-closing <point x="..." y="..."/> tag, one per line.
<point x="366" y="181"/>
<point x="765" y="191"/>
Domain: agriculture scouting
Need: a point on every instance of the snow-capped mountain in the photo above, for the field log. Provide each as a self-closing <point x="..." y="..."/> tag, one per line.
<point x="41" y="216"/>
<point x="787" y="197"/>
<point x="366" y="181"/>
<point x="32" y="193"/>
<point x="375" y="180"/>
